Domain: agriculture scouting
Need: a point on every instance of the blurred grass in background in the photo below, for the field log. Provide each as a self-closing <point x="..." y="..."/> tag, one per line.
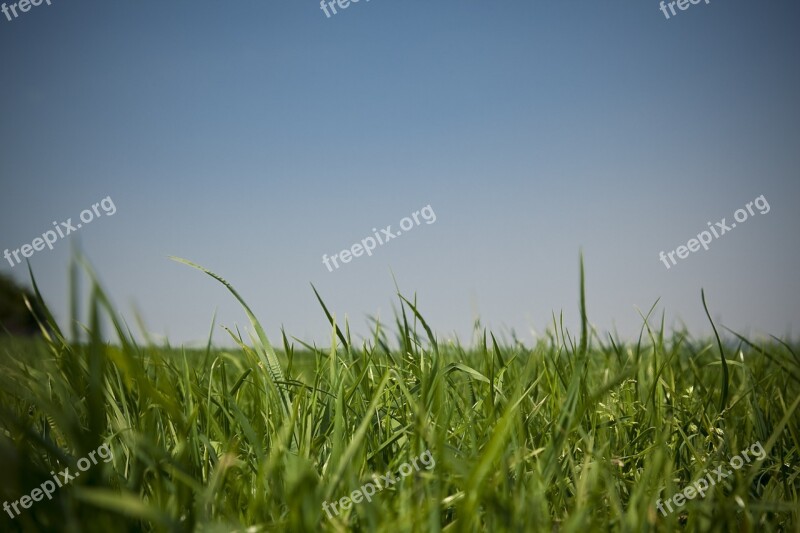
<point x="572" y="434"/>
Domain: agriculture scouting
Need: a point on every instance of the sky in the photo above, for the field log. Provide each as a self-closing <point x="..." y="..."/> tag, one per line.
<point x="254" y="138"/>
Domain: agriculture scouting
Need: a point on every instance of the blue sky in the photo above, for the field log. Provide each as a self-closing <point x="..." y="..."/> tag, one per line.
<point x="254" y="137"/>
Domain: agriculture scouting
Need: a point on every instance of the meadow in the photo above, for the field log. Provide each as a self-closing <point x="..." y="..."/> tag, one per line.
<point x="579" y="432"/>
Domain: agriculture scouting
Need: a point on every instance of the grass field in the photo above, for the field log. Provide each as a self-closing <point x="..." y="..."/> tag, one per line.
<point x="577" y="433"/>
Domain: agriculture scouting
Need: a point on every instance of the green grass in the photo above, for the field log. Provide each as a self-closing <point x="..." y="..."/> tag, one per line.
<point x="572" y="434"/>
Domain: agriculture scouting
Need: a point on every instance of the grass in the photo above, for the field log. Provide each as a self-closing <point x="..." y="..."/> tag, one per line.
<point x="571" y="434"/>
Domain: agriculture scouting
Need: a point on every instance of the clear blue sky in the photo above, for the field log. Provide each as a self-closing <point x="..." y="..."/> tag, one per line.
<point x="254" y="137"/>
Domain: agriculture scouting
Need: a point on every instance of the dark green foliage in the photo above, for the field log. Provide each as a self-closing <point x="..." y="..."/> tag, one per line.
<point x="15" y="317"/>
